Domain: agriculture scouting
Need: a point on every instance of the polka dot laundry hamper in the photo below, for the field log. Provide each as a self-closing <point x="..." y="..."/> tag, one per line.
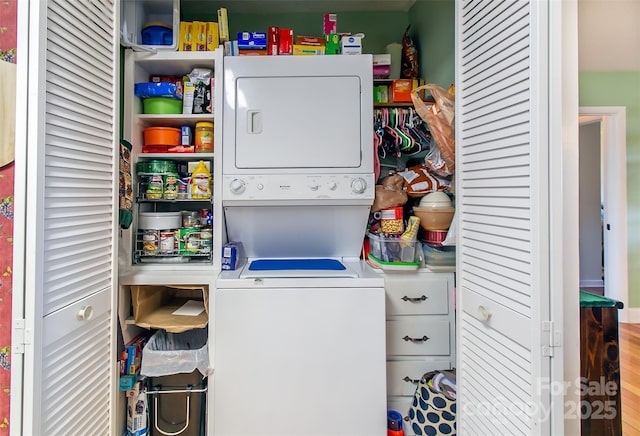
<point x="433" y="410"/>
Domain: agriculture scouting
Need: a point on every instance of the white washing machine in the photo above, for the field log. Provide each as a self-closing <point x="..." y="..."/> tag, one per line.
<point x="300" y="324"/>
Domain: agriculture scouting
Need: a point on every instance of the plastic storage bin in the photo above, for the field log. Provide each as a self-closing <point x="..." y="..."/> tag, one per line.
<point x="171" y="353"/>
<point x="137" y="15"/>
<point x="444" y="256"/>
<point x="392" y="249"/>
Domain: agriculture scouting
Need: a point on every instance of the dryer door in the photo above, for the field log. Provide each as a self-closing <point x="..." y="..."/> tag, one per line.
<point x="298" y="122"/>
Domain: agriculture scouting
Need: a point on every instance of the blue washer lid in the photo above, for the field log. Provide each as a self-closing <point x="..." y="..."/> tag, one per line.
<point x="306" y="264"/>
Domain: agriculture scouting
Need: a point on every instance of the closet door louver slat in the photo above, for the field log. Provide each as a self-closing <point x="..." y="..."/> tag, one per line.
<point x="502" y="201"/>
<point x="73" y="148"/>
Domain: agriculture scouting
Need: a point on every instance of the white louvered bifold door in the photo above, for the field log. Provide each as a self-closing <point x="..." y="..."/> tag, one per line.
<point x="502" y="203"/>
<point x="71" y="244"/>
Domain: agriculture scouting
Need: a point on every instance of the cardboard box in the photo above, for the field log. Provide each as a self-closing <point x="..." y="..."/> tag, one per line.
<point x="310" y="40"/>
<point x="252" y="40"/>
<point x="188" y="93"/>
<point x="137" y="414"/>
<point x="252" y="52"/>
<point x="381" y="59"/>
<point x="332" y="44"/>
<point x="153" y="307"/>
<point x="285" y="44"/>
<point x="330" y="24"/>
<point x="401" y="90"/>
<point x="223" y="25"/>
<point x="127" y="382"/>
<point x="213" y="36"/>
<point x="199" y="36"/>
<point x="132" y="355"/>
<point x="351" y="45"/>
<point x="230" y="256"/>
<point x="381" y="94"/>
<point x="186" y="36"/>
<point x="273" y="40"/>
<point x="307" y="50"/>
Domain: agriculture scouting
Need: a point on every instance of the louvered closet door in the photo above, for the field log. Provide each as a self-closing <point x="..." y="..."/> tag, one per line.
<point x="502" y="202"/>
<point x="71" y="205"/>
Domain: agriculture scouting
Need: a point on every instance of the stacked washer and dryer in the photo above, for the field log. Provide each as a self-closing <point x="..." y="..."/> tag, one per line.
<point x="300" y="324"/>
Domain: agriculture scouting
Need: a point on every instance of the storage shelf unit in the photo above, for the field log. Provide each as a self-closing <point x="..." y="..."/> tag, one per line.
<point x="420" y="332"/>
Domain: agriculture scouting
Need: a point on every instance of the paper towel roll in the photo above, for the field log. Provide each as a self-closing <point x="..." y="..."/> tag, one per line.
<point x="395" y="50"/>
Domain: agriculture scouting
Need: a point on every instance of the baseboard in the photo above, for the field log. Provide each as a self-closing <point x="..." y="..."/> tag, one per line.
<point x="591" y="283"/>
<point x="630" y="315"/>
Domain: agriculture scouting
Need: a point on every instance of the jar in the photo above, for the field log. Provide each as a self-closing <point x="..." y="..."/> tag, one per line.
<point x="189" y="219"/>
<point x="203" y="138"/>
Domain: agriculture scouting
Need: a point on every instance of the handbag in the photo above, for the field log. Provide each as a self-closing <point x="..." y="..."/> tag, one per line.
<point x="433" y="410"/>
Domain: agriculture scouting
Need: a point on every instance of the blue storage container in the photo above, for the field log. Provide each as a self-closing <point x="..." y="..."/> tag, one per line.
<point x="157" y="34"/>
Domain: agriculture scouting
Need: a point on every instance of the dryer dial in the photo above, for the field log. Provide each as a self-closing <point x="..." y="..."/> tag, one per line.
<point x="358" y="185"/>
<point x="237" y="186"/>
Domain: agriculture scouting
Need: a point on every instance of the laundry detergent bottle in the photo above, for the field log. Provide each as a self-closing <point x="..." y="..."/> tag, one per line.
<point x="201" y="182"/>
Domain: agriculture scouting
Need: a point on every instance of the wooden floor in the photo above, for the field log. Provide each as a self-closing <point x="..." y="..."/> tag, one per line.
<point x="630" y="377"/>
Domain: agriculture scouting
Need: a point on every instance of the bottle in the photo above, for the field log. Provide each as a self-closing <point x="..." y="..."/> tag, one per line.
<point x="204" y="137"/>
<point x="201" y="182"/>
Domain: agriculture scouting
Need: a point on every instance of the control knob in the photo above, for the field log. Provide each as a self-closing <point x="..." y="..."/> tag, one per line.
<point x="237" y="186"/>
<point x="358" y="185"/>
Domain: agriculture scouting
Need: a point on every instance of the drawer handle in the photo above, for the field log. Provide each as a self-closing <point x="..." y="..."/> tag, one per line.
<point x="422" y="339"/>
<point x="414" y="299"/>
<point x="408" y="379"/>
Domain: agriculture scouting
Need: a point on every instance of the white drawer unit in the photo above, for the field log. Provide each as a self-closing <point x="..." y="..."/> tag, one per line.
<point x="420" y="331"/>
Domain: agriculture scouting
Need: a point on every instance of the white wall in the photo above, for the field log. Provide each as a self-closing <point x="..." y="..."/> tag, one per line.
<point x="609" y="35"/>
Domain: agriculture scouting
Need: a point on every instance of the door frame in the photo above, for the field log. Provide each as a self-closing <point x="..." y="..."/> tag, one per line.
<point x="613" y="155"/>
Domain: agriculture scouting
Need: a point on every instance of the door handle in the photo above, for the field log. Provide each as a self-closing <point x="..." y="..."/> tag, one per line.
<point x="483" y="314"/>
<point x="254" y="122"/>
<point x="85" y="313"/>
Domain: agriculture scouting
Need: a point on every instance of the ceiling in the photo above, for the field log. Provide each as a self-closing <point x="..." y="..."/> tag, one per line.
<point x="279" y="6"/>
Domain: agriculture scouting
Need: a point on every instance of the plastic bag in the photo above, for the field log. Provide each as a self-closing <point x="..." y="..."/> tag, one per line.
<point x="439" y="117"/>
<point x="419" y="180"/>
<point x="389" y="194"/>
<point x="169" y="353"/>
<point x="450" y="239"/>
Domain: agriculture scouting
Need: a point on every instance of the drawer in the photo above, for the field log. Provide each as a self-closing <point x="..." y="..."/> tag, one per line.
<point x="418" y="335"/>
<point x="403" y="375"/>
<point x="417" y="294"/>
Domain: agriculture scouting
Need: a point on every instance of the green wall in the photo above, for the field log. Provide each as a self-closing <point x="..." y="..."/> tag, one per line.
<point x="433" y="30"/>
<point x="622" y="88"/>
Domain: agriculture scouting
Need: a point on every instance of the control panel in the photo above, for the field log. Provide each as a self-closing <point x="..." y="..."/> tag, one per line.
<point x="298" y="187"/>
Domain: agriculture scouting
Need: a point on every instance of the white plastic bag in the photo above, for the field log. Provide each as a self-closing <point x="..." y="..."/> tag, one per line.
<point x="450" y="239"/>
<point x="170" y="353"/>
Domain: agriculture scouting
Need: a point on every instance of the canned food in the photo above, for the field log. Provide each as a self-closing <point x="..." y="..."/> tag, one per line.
<point x="150" y="242"/>
<point x="167" y="242"/>
<point x="206" y="217"/>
